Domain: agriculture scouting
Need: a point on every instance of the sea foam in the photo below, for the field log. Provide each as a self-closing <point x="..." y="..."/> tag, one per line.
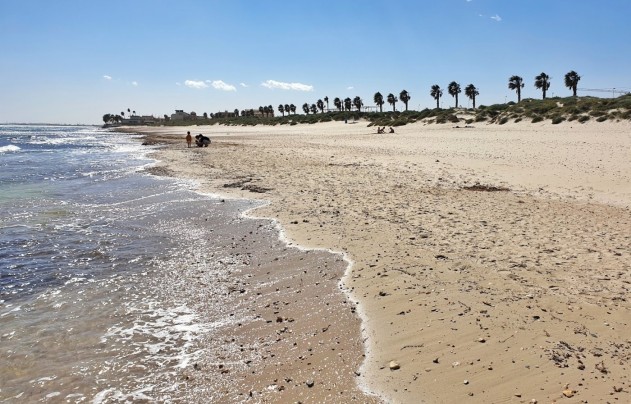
<point x="10" y="148"/>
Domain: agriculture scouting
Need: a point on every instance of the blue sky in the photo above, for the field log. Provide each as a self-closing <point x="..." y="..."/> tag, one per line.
<point x="73" y="61"/>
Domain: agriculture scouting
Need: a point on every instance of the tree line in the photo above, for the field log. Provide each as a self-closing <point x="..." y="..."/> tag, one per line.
<point x="516" y="83"/>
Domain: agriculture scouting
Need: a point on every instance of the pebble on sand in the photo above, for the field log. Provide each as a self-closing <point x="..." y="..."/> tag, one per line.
<point x="394" y="365"/>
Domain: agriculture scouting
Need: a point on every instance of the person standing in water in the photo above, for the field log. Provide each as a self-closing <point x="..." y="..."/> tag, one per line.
<point x="189" y="138"/>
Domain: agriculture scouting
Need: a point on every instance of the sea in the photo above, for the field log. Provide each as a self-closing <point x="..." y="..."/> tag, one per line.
<point x="92" y="304"/>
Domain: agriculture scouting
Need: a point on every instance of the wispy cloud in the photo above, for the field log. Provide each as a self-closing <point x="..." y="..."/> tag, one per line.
<point x="350" y="88"/>
<point x="287" y="86"/>
<point x="195" y="84"/>
<point x="243" y="85"/>
<point x="220" y="85"/>
<point x="134" y="83"/>
<point x="106" y="77"/>
<point x="496" y="18"/>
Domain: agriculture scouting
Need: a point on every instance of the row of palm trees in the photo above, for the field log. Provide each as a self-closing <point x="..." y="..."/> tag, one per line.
<point x="542" y="82"/>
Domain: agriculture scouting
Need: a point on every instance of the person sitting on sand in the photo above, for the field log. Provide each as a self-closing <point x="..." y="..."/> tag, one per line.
<point x="202" y="141"/>
<point x="391" y="129"/>
<point x="189" y="138"/>
<point x="381" y="130"/>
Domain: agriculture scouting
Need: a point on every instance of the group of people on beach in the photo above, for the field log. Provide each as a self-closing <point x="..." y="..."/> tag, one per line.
<point x="383" y="130"/>
<point x="200" y="140"/>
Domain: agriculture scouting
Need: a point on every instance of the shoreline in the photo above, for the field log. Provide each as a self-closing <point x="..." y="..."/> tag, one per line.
<point x="503" y="290"/>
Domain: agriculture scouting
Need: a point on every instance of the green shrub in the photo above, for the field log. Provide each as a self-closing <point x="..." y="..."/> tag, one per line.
<point x="453" y="118"/>
<point x="537" y="118"/>
<point x="602" y="118"/>
<point x="557" y="120"/>
<point x="518" y="120"/>
<point x="583" y="118"/>
<point x="503" y="120"/>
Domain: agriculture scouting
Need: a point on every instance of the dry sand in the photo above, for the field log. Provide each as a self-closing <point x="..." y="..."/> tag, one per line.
<point x="492" y="264"/>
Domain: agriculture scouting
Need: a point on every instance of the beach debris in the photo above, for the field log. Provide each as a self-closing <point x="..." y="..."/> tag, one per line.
<point x="617" y="389"/>
<point x="569" y="393"/>
<point x="394" y="365"/>
<point x="310" y="383"/>
<point x="435" y="360"/>
<point x="466" y="381"/>
<point x="485" y="188"/>
<point x="601" y="367"/>
<point x="481" y="340"/>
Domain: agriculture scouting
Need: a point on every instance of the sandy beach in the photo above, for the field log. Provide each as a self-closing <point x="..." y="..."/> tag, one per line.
<point x="488" y="264"/>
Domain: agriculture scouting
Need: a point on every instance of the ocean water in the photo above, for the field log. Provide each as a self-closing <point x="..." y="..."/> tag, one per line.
<point x="92" y="308"/>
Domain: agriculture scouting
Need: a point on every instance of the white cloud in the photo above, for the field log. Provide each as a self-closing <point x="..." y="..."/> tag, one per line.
<point x="195" y="84"/>
<point x="134" y="83"/>
<point x="496" y="18"/>
<point x="287" y="86"/>
<point x="106" y="77"/>
<point x="243" y="85"/>
<point x="220" y="85"/>
<point x="350" y="88"/>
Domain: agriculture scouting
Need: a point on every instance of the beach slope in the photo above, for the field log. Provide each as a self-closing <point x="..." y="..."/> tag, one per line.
<point x="490" y="264"/>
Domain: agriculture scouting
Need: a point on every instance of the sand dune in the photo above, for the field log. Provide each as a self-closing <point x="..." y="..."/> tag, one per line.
<point x="492" y="264"/>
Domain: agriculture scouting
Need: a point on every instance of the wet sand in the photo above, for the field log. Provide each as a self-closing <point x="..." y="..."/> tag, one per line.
<point x="490" y="264"/>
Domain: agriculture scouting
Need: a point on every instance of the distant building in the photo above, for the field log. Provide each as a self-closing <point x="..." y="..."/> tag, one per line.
<point x="225" y="114"/>
<point x="139" y="120"/>
<point x="180" y="115"/>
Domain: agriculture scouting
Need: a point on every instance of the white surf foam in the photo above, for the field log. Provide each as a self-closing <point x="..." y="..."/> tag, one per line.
<point x="9" y="149"/>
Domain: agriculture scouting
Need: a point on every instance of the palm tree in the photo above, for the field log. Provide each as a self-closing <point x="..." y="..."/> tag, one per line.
<point x="338" y="103"/>
<point x="266" y="111"/>
<point x="347" y="103"/>
<point x="133" y="112"/>
<point x="128" y="112"/>
<point x="236" y="113"/>
<point x="305" y="107"/>
<point x="271" y="110"/>
<point x="436" y="93"/>
<point x="261" y="110"/>
<point x="357" y="102"/>
<point x="542" y="82"/>
<point x="516" y="83"/>
<point x="571" y="81"/>
<point x="392" y="100"/>
<point x="287" y="108"/>
<point x="454" y="89"/>
<point x="313" y="108"/>
<point x="326" y="99"/>
<point x="123" y="114"/>
<point x="281" y="109"/>
<point x="320" y="105"/>
<point x="292" y="108"/>
<point x="378" y="98"/>
<point x="404" y="96"/>
<point x="471" y="92"/>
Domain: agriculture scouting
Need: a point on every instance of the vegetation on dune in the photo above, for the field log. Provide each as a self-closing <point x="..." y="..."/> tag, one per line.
<point x="554" y="110"/>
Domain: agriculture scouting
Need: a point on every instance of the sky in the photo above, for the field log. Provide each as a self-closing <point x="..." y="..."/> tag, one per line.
<point x="72" y="62"/>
